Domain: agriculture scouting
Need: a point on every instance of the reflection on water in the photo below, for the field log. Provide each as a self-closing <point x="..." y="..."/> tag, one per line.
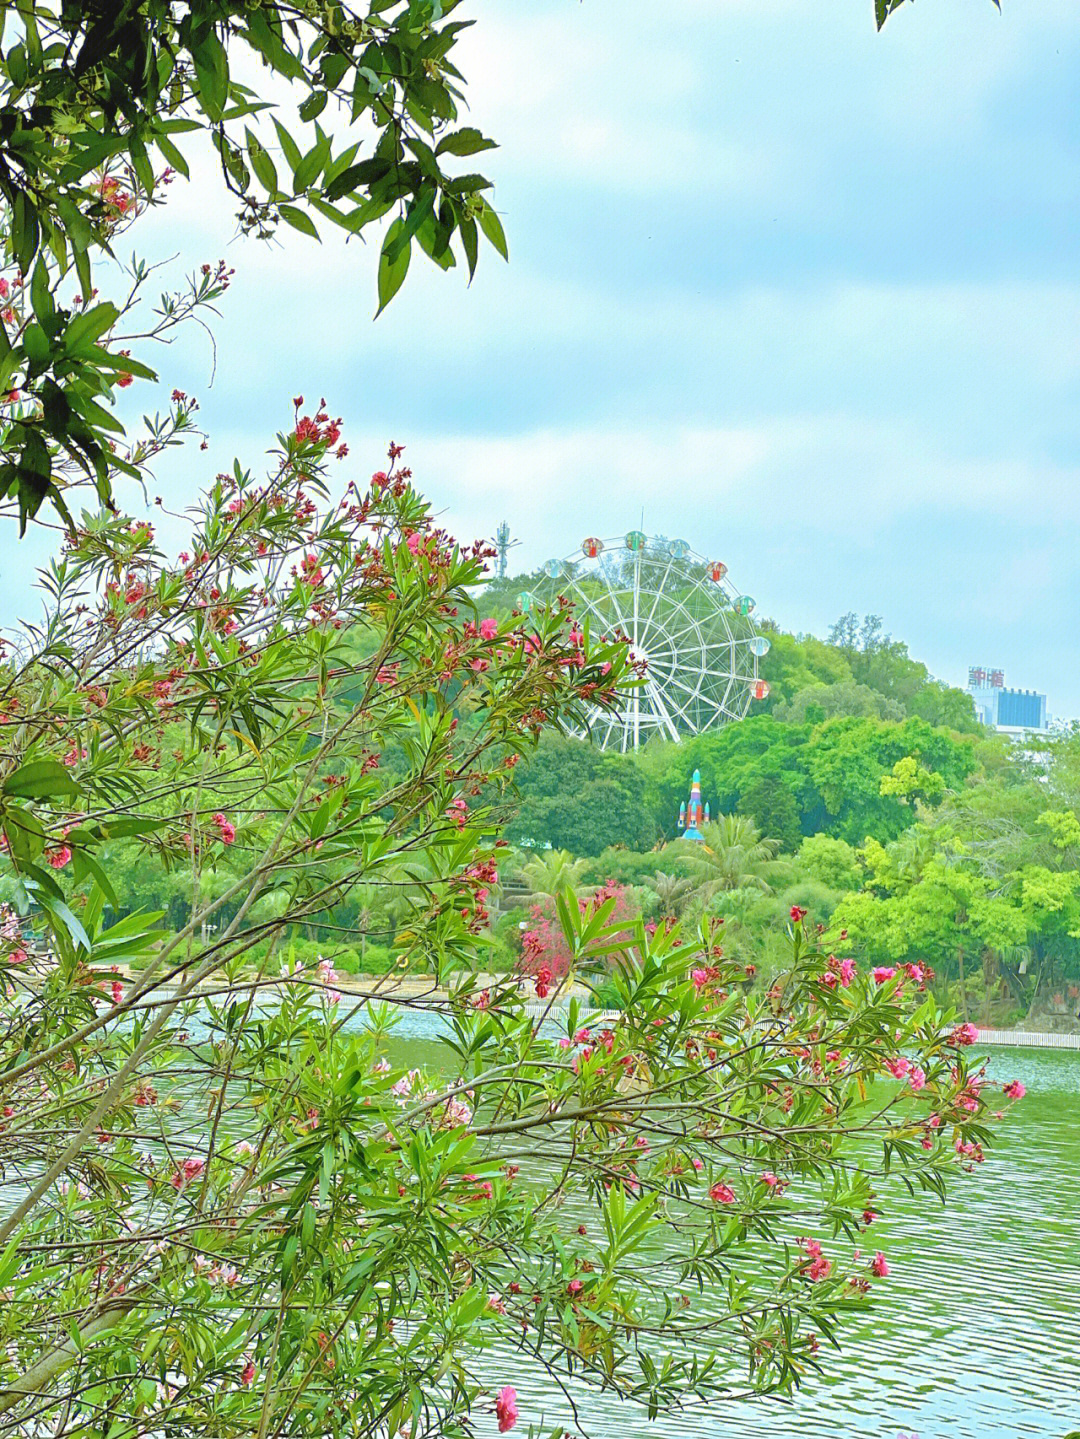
<point x="978" y="1336"/>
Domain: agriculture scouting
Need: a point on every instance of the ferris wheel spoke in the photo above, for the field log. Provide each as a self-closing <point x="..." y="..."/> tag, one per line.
<point x="697" y="694"/>
<point x="591" y="605"/>
<point x="613" y="595"/>
<point x="662" y="712"/>
<point x="659" y="591"/>
<point x="690" y="624"/>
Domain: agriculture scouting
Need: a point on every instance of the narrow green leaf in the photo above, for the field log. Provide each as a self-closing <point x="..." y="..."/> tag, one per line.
<point x="464" y="142"/>
<point x="40" y="779"/>
<point x="492" y="228"/>
<point x="298" y="219"/>
<point x="173" y="155"/>
<point x="90" y="325"/>
<point x="392" y="275"/>
<point x="261" y="163"/>
<point x="469" y="244"/>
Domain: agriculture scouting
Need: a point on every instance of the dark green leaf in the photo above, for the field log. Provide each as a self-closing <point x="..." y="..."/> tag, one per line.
<point x="469" y="244"/>
<point x="289" y="147"/>
<point x="314" y="105"/>
<point x="173" y="155"/>
<point x="363" y="173"/>
<point x="212" y="74"/>
<point x="41" y="294"/>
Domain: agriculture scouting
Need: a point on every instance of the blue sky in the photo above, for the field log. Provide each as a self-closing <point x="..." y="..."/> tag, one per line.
<point x="806" y="294"/>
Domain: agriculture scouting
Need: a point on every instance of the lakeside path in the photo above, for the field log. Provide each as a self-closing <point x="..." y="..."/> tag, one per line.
<point x="406" y="989"/>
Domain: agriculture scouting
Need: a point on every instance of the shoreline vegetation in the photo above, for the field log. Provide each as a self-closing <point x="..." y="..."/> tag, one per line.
<point x="405" y="989"/>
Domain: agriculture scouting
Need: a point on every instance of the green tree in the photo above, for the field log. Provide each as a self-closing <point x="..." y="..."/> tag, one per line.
<point x="732" y="760"/>
<point x="849" y="758"/>
<point x="820" y="702"/>
<point x="551" y="873"/>
<point x="672" y="892"/>
<point x="575" y="797"/>
<point x="98" y="97"/>
<point x="772" y="806"/>
<point x="734" y="855"/>
<point x="830" y="861"/>
<point x="882" y="664"/>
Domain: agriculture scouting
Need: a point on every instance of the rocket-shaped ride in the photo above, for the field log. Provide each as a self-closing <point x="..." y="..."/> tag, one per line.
<point x="693" y="814"/>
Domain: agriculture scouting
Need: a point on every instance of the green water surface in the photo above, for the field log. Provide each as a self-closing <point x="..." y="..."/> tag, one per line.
<point x="977" y="1331"/>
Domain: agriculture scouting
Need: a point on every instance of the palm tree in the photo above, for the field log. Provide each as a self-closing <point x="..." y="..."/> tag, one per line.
<point x="734" y="855"/>
<point x="551" y="872"/>
<point x="672" y="892"/>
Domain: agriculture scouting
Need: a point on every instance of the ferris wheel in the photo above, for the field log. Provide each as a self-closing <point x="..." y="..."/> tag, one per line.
<point x="686" y="624"/>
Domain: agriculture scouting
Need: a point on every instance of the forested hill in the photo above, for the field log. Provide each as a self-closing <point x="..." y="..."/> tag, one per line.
<point x="841" y="715"/>
<point x="858" y="670"/>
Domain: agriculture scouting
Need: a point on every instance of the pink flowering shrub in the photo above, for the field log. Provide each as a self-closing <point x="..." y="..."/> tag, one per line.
<point x="259" y="1217"/>
<point x="543" y="944"/>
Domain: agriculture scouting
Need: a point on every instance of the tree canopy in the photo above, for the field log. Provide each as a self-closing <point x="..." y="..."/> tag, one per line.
<point x="101" y="105"/>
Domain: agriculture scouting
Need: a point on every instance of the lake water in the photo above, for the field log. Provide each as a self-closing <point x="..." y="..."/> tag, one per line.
<point x="977" y="1334"/>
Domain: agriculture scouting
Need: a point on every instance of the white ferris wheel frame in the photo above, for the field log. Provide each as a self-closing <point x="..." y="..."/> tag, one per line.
<point x="723" y="694"/>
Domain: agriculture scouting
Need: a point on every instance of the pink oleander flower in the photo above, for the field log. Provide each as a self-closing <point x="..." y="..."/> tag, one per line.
<point x="506" y="1409"/>
<point x="722" y="1194"/>
<point x="404" y="1086"/>
<point x="457" y="1113"/>
<point x="1015" y="1089"/>
<point x="846" y="972"/>
<point x="964" y="1034"/>
<point x="900" y="1067"/>
<point x="247" y="1374"/>
<point x="882" y="973"/>
<point x="818" y="1268"/>
<point x="879" y="1265"/>
<point x="917" y="1078"/>
<point x="700" y="978"/>
<point x="489" y="629"/>
<point x="190" y="1169"/>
